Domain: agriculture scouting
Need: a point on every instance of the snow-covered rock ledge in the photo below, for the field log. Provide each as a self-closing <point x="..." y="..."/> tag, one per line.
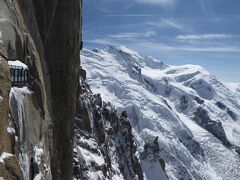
<point x="29" y="128"/>
<point x="9" y="167"/>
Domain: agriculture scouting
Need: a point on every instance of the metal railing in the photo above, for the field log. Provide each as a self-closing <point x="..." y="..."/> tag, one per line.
<point x="19" y="75"/>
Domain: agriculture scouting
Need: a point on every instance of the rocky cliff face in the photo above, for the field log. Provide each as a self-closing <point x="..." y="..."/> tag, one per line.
<point x="105" y="147"/>
<point x="59" y="25"/>
<point x="5" y="85"/>
<point x="46" y="36"/>
<point x="9" y="166"/>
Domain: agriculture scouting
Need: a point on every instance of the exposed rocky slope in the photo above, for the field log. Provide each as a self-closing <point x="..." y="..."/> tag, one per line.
<point x="104" y="144"/>
<point x="195" y="116"/>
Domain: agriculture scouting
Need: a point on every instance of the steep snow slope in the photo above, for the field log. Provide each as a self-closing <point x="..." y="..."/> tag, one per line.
<point x="235" y="87"/>
<point x="195" y="117"/>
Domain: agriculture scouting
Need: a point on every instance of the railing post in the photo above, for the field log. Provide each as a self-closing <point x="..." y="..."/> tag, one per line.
<point x="23" y="79"/>
<point x="18" y="76"/>
<point x="25" y="76"/>
<point x="14" y="76"/>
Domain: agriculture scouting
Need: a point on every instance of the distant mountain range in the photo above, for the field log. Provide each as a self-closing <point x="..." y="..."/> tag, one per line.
<point x="193" y="116"/>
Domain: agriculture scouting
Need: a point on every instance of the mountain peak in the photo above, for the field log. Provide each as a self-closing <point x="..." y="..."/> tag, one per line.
<point x="192" y="113"/>
<point x="121" y="49"/>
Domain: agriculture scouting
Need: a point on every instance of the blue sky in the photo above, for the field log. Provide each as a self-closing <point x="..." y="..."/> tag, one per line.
<point x="204" y="32"/>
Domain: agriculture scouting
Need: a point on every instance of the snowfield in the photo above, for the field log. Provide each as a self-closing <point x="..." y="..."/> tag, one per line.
<point x="195" y="117"/>
<point x="234" y="87"/>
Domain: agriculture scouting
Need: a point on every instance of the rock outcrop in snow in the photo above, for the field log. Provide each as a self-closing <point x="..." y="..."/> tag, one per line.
<point x="104" y="143"/>
<point x="194" y="115"/>
<point x="151" y="161"/>
<point x="9" y="167"/>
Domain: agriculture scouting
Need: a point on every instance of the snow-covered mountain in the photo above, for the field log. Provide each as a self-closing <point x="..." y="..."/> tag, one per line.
<point x="195" y="117"/>
<point x="235" y="87"/>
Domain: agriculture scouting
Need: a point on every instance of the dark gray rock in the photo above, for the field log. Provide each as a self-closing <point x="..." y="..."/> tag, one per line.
<point x="112" y="136"/>
<point x="83" y="74"/>
<point x="191" y="144"/>
<point x="124" y="114"/>
<point x="152" y="153"/>
<point x="232" y="114"/>
<point x="221" y="105"/>
<point x="183" y="102"/>
<point x="59" y="24"/>
<point x="199" y="100"/>
<point x="202" y="118"/>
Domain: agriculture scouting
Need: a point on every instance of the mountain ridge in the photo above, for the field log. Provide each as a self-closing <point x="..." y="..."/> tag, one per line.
<point x="193" y="114"/>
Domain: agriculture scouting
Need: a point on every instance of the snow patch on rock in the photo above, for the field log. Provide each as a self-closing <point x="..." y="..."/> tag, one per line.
<point x="4" y="156"/>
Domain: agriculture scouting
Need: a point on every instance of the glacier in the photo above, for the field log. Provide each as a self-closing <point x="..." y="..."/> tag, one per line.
<point x="194" y="116"/>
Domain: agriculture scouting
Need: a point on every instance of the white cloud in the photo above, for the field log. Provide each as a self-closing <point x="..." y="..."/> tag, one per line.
<point x="172" y="23"/>
<point x="204" y="36"/>
<point x="160" y="47"/>
<point x="168" y="23"/>
<point x="134" y="35"/>
<point x="210" y="49"/>
<point x="158" y="2"/>
<point x="104" y="42"/>
<point x="134" y="15"/>
<point x="150" y="2"/>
